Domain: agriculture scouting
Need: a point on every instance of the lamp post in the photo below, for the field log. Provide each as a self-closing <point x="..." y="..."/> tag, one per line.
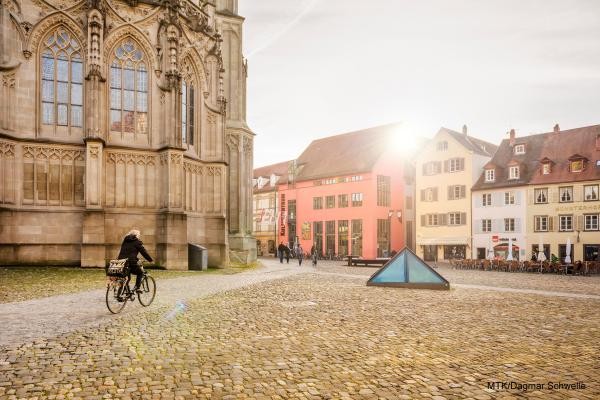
<point x="390" y="215"/>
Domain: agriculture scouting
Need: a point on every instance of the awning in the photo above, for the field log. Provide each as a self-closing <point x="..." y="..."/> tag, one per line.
<point x="443" y="241"/>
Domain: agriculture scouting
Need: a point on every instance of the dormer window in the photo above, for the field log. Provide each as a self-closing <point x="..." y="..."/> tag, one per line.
<point x="520" y="149"/>
<point x="513" y="172"/>
<point x="490" y="175"/>
<point x="577" y="163"/>
<point x="576" y="166"/>
<point x="546" y="169"/>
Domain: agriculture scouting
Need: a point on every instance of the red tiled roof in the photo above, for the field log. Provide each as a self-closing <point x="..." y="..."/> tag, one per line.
<point x="476" y="145"/>
<point x="280" y="169"/>
<point x="553" y="147"/>
<point x="344" y="154"/>
<point x="562" y="146"/>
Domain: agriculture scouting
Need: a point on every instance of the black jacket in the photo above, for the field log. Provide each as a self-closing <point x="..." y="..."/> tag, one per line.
<point x="130" y="248"/>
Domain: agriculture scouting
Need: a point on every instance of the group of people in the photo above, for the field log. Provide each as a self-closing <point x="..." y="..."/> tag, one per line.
<point x="283" y="251"/>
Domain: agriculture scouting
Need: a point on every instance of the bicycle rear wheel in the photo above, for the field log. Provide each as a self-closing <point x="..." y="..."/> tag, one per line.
<point x="115" y="301"/>
<point x="148" y="288"/>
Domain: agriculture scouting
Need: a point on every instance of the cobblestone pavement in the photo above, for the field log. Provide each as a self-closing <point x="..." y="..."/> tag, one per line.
<point x="516" y="280"/>
<point x="50" y="316"/>
<point x="318" y="336"/>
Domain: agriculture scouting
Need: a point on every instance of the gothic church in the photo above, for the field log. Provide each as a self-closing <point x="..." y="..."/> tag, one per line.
<point x="117" y="115"/>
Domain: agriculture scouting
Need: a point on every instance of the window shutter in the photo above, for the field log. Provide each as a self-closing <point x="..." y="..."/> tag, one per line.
<point x="423" y="217"/>
<point x="446" y="165"/>
<point x="438" y="167"/>
<point x="463" y="191"/>
<point x="435" y="194"/>
<point x="517" y="224"/>
<point x="442" y="219"/>
<point x="422" y="194"/>
<point x="461" y="166"/>
<point x="530" y="196"/>
<point x="463" y="218"/>
<point x="578" y="193"/>
<point x="425" y="169"/>
<point x="450" y="192"/>
<point x="517" y="198"/>
<point x="551" y="221"/>
<point x="496" y="225"/>
<point x="477" y="227"/>
<point x="478" y="200"/>
<point x="553" y="195"/>
<point x="498" y="198"/>
<point x="579" y="222"/>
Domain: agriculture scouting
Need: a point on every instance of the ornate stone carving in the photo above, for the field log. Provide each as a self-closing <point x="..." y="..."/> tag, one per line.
<point x="193" y="167"/>
<point x="129" y="30"/>
<point x="7" y="149"/>
<point x="233" y="142"/>
<point x="43" y="27"/>
<point x="41" y="152"/>
<point x="9" y="79"/>
<point x="95" y="39"/>
<point x="114" y="157"/>
<point x="247" y="145"/>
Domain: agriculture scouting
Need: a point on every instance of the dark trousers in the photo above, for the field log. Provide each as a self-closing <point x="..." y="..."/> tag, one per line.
<point x="134" y="268"/>
<point x="281" y="257"/>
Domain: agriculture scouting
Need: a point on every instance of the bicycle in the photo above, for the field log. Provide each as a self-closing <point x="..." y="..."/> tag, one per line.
<point x="118" y="291"/>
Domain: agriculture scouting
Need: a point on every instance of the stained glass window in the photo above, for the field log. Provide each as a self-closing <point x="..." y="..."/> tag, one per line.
<point x="62" y="80"/>
<point x="187" y="112"/>
<point x="128" y="89"/>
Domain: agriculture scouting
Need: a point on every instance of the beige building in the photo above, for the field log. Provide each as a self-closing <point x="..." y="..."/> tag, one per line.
<point x="265" y="184"/>
<point x="446" y="169"/>
<point x="563" y="194"/>
<point x="121" y="114"/>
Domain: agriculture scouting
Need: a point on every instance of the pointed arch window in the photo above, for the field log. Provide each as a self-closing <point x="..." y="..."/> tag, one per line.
<point x="62" y="80"/>
<point x="128" y="90"/>
<point x="187" y="112"/>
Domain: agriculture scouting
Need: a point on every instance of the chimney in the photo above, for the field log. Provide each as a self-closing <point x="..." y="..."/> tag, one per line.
<point x="556" y="128"/>
<point x="512" y="137"/>
<point x="464" y="130"/>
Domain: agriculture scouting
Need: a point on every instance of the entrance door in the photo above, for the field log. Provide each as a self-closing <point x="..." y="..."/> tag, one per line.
<point x="430" y="252"/>
<point x="481" y="253"/>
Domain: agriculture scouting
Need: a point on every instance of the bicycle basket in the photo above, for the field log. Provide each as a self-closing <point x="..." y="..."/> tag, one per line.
<point x="118" y="268"/>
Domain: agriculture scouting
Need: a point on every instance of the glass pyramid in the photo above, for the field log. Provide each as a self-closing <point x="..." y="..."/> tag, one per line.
<point x="407" y="270"/>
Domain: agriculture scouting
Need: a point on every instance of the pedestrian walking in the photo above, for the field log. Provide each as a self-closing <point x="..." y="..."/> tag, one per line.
<point x="300" y="254"/>
<point x="281" y="251"/>
<point x="313" y="254"/>
<point x="287" y="254"/>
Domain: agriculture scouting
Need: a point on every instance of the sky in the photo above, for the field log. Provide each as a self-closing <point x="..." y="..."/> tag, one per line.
<point x="323" y="67"/>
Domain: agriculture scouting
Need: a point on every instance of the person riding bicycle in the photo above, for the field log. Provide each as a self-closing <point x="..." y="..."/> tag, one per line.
<point x="131" y="246"/>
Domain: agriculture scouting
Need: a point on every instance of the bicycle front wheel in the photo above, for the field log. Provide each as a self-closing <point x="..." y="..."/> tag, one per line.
<point x="115" y="301"/>
<point x="148" y="288"/>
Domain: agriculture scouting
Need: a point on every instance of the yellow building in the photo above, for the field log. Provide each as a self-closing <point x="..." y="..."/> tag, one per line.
<point x="446" y="169"/>
<point x="264" y="187"/>
<point x="563" y="196"/>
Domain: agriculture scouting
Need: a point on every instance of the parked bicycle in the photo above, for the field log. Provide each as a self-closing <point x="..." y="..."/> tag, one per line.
<point x="118" y="291"/>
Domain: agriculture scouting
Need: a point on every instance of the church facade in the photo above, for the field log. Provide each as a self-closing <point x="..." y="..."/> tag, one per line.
<point x="117" y="115"/>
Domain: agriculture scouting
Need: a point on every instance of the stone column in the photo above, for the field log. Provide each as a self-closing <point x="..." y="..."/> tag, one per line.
<point x="171" y="238"/>
<point x="93" y="246"/>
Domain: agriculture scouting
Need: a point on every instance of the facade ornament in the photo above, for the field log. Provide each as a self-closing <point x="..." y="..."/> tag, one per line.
<point x="95" y="39"/>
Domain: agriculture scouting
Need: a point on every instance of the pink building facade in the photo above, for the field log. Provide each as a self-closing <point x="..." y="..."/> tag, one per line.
<point x="346" y="196"/>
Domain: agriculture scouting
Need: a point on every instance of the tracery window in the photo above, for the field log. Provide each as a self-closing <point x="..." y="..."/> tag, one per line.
<point x="187" y="112"/>
<point x="128" y="89"/>
<point x="62" y="80"/>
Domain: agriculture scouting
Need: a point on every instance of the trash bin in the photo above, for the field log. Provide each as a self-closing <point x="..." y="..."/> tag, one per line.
<point x="197" y="257"/>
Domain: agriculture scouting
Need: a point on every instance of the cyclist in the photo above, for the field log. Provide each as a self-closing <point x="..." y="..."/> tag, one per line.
<point x="131" y="246"/>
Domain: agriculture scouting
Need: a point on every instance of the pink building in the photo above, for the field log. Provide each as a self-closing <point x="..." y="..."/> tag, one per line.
<point x="347" y="196"/>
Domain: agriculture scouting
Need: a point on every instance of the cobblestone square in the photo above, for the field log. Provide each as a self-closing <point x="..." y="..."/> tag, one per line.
<point x="322" y="334"/>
